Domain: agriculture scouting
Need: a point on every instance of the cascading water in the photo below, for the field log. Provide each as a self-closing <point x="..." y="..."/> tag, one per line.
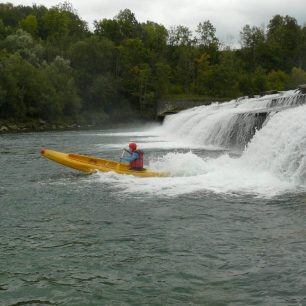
<point x="273" y="158"/>
<point x="280" y="147"/>
<point x="231" y="124"/>
<point x="270" y="133"/>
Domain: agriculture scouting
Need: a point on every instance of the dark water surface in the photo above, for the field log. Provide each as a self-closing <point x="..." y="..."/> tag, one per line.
<point x="73" y="239"/>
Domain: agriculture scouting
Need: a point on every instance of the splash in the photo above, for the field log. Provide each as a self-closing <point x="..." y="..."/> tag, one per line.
<point x="272" y="163"/>
<point x="193" y="175"/>
<point x="181" y="164"/>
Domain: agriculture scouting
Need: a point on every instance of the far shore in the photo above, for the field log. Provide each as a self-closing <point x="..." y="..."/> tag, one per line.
<point x="41" y="126"/>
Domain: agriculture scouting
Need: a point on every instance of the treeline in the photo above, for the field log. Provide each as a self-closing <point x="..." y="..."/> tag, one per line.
<point x="52" y="67"/>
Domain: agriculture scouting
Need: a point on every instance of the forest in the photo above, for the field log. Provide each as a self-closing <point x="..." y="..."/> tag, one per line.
<point x="54" y="68"/>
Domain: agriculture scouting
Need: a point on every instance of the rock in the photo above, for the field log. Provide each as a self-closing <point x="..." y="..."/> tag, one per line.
<point x="302" y="88"/>
<point x="3" y="128"/>
<point x="13" y="126"/>
<point x="270" y="92"/>
<point x="42" y="122"/>
<point x="242" y="98"/>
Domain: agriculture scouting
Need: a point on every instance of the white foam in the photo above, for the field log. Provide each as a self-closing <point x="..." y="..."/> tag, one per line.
<point x="273" y="163"/>
<point x="224" y="125"/>
<point x="280" y="147"/>
<point x="192" y="174"/>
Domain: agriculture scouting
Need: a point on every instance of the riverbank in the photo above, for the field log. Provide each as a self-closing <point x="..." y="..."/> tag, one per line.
<point x="165" y="106"/>
<point x="11" y="126"/>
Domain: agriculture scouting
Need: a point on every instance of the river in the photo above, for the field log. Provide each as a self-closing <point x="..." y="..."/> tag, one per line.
<point x="224" y="229"/>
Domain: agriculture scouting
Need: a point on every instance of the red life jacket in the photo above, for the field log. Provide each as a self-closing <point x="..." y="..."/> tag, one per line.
<point x="137" y="163"/>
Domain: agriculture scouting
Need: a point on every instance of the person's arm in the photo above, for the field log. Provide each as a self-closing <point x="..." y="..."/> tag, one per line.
<point x="125" y="157"/>
<point x="128" y="151"/>
<point x="132" y="157"/>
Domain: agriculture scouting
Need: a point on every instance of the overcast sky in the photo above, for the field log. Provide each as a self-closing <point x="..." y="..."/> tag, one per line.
<point x="228" y="16"/>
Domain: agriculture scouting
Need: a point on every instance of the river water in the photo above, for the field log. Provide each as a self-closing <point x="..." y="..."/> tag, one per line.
<point x="226" y="228"/>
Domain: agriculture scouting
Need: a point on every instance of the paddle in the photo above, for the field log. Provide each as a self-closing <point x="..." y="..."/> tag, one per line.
<point x="118" y="165"/>
<point x="122" y="154"/>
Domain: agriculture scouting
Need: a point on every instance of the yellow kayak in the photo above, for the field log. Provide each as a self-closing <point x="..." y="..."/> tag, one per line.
<point x="91" y="164"/>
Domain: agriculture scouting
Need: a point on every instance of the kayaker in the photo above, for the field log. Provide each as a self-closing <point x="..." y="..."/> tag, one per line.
<point x="136" y="157"/>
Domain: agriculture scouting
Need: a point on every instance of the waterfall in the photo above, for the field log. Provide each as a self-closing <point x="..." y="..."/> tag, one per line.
<point x="270" y="132"/>
<point x="231" y="124"/>
<point x="280" y="147"/>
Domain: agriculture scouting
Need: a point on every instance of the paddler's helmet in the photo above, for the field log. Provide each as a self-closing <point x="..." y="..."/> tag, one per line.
<point x="133" y="146"/>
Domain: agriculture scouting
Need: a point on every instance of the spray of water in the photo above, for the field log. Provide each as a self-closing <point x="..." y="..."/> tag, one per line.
<point x="272" y="160"/>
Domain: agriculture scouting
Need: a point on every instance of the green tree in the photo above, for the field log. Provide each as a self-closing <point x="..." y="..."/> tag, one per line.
<point x="277" y="80"/>
<point x="207" y="40"/>
<point x="128" y="25"/>
<point x="225" y="77"/>
<point x="161" y="78"/>
<point x="23" y="44"/>
<point x="12" y="91"/>
<point x="297" y="77"/>
<point x="132" y="56"/>
<point x="185" y="67"/>
<point x="47" y="91"/>
<point x="56" y="23"/>
<point x="259" y="80"/>
<point x="62" y="20"/>
<point x="11" y="15"/>
<point x="302" y="49"/>
<point x="283" y="38"/>
<point x="4" y="30"/>
<point x="60" y="74"/>
<point x="143" y="76"/>
<point x="62" y="28"/>
<point x="252" y="40"/>
<point x="92" y="58"/>
<point x="23" y="86"/>
<point x="203" y="75"/>
<point x="155" y="38"/>
<point x="180" y="36"/>
<point x="104" y="93"/>
<point x="109" y="29"/>
<point x="30" y="25"/>
<point x="93" y="55"/>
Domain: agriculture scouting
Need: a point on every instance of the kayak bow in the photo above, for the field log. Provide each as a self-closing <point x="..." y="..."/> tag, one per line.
<point x="90" y="164"/>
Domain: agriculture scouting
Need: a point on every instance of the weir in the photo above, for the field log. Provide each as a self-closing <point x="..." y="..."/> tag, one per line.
<point x="230" y="124"/>
<point x="168" y="107"/>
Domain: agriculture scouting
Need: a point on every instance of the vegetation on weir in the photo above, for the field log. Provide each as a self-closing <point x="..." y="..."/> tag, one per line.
<point x="54" y="69"/>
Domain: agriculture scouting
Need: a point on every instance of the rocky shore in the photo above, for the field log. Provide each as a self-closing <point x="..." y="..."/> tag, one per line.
<point x="39" y="125"/>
